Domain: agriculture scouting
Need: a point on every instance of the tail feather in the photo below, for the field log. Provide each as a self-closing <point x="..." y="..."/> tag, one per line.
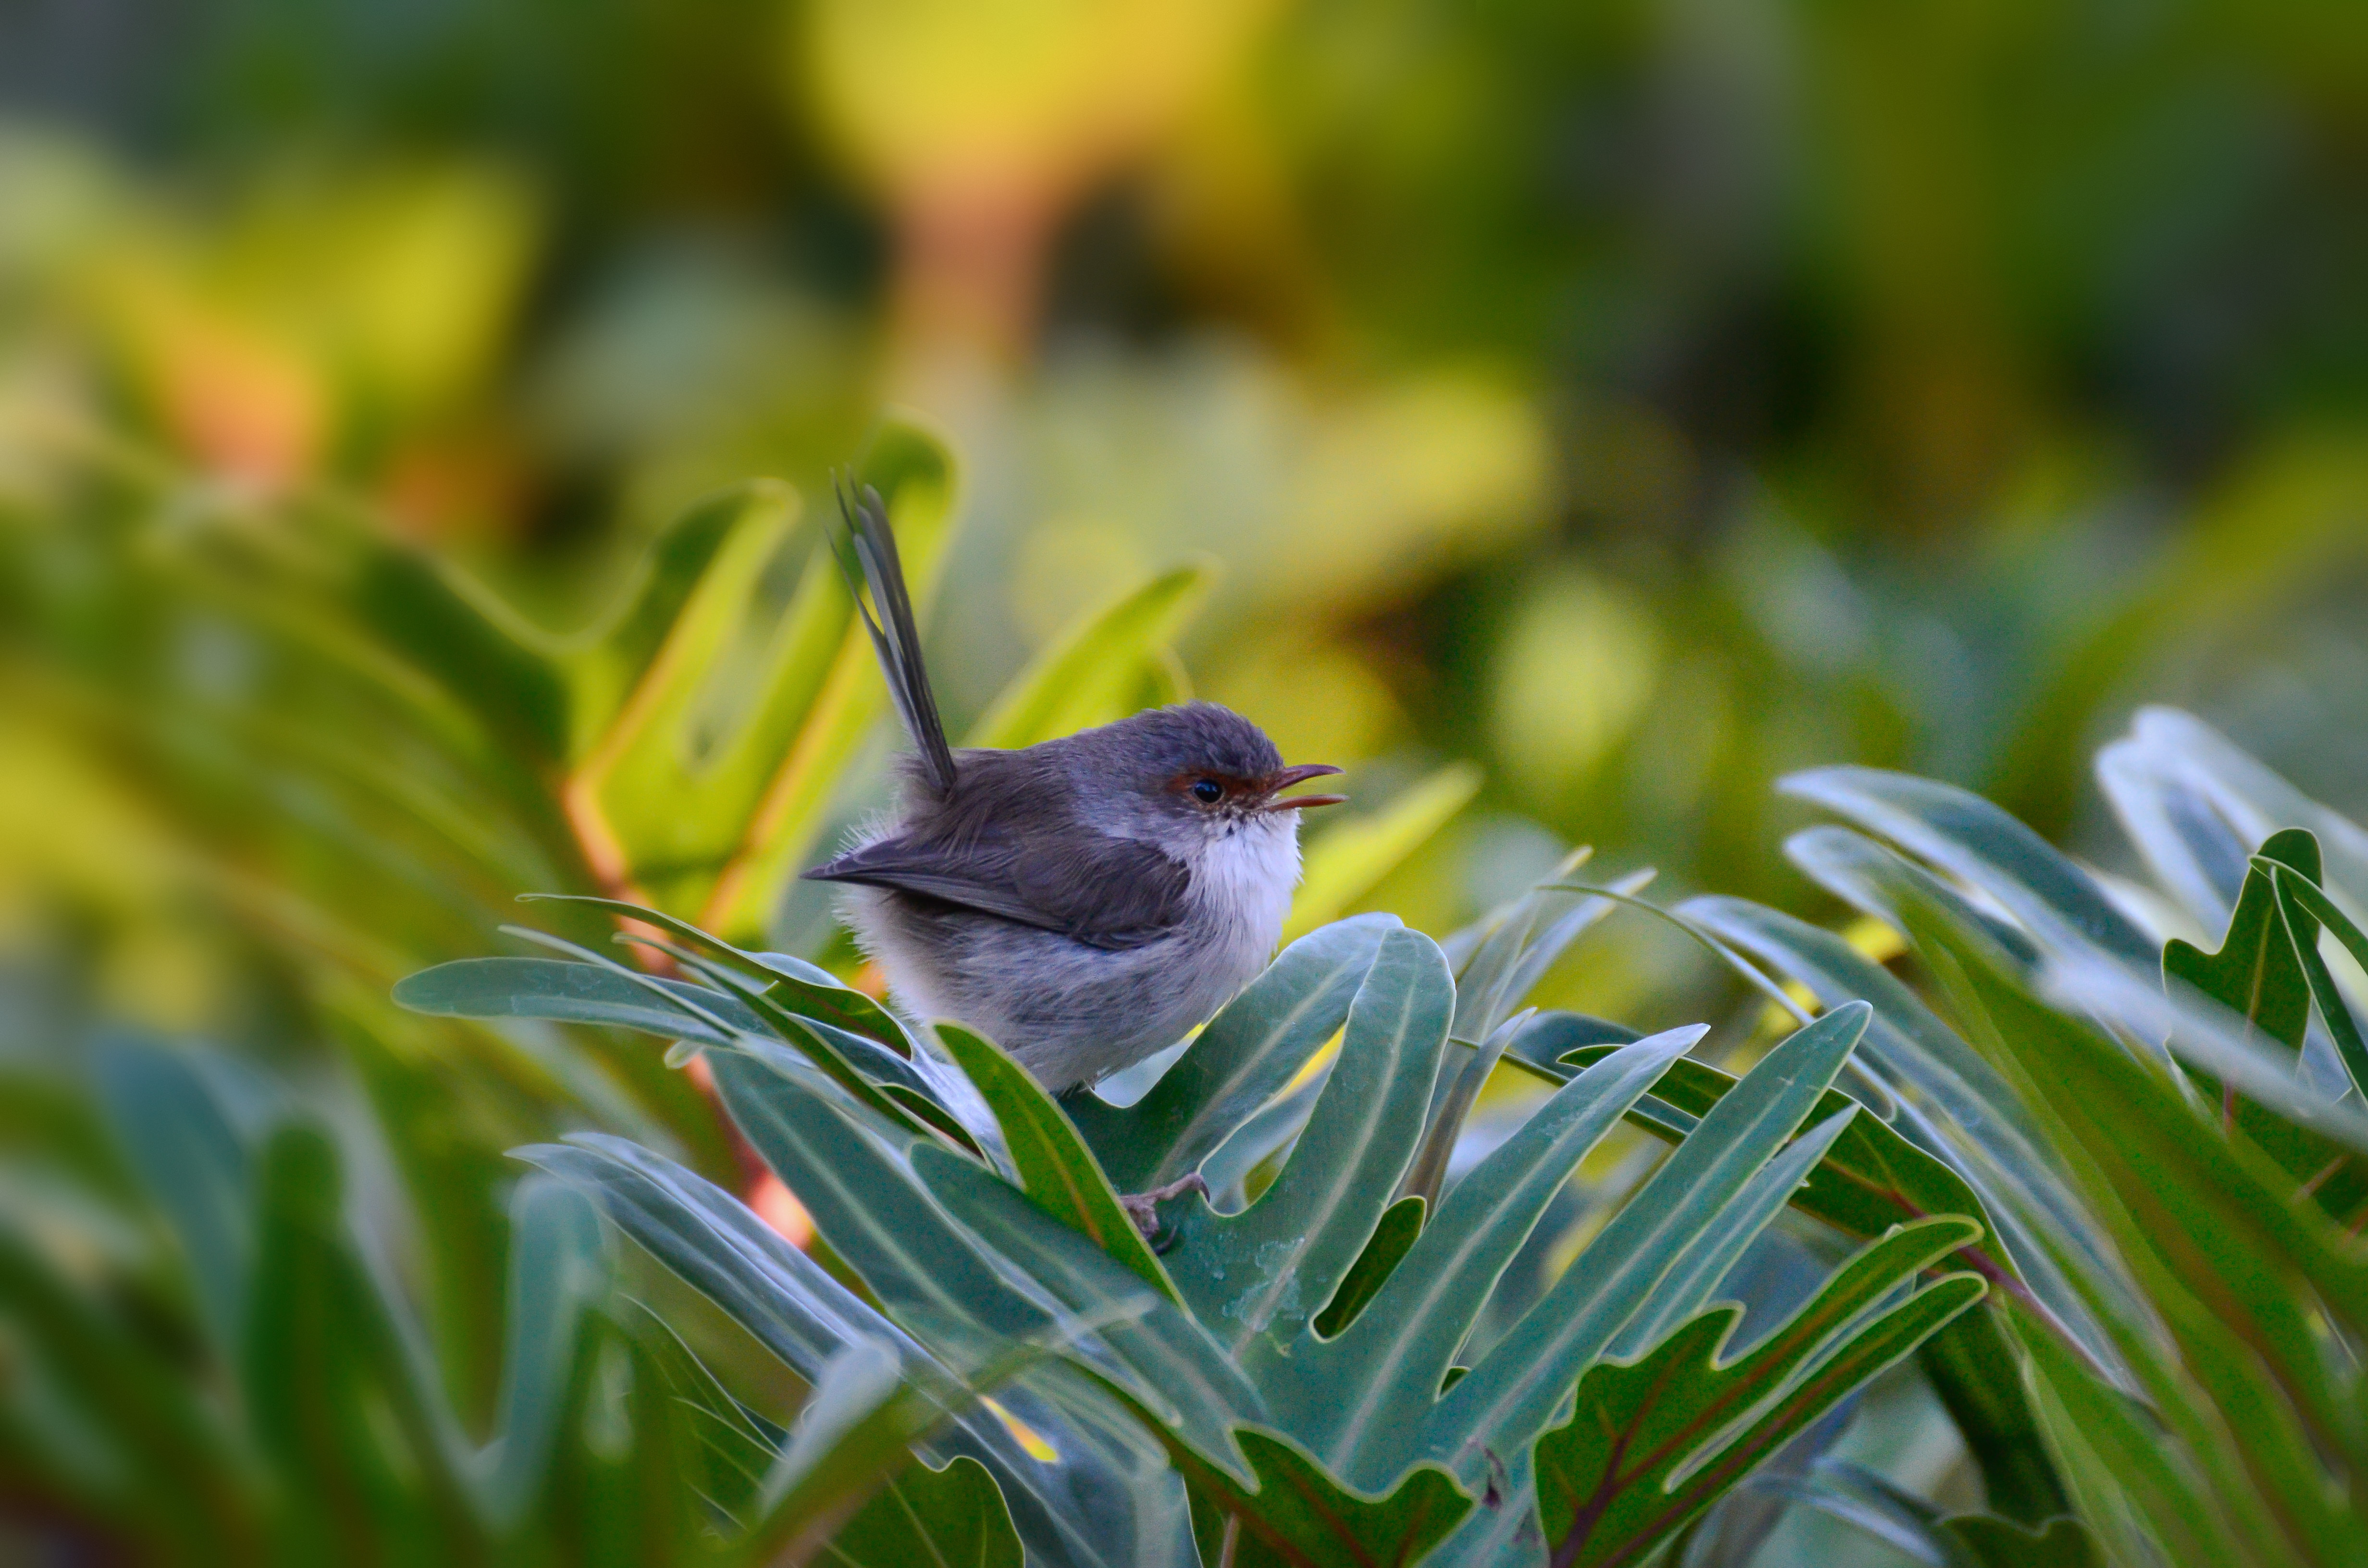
<point x="867" y="553"/>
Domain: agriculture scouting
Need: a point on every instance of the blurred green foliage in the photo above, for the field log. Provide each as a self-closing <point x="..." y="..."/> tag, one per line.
<point x="1569" y="418"/>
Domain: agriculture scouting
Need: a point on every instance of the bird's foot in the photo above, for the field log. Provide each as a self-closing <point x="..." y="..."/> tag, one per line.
<point x="1143" y="1208"/>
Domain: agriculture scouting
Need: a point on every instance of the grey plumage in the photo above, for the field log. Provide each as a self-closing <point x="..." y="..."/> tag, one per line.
<point x="1085" y="900"/>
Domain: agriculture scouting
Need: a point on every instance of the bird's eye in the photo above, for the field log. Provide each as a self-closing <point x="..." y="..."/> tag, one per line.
<point x="1208" y="792"/>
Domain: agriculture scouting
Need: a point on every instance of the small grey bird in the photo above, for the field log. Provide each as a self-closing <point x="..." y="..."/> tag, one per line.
<point x="1083" y="902"/>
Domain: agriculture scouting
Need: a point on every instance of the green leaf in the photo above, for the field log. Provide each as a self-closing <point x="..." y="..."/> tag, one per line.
<point x="1236" y="1064"/>
<point x="2004" y="1544"/>
<point x="180" y="1142"/>
<point x="1298" y="1514"/>
<point x="1086" y="1505"/>
<point x="1868" y="1181"/>
<point x="1357" y="1401"/>
<point x="1262" y="1273"/>
<point x="1510" y="1392"/>
<point x="2256" y="973"/>
<point x="2305" y="908"/>
<point x="1400" y="1224"/>
<point x="1518" y="943"/>
<point x="1652" y="1445"/>
<point x="1344" y="862"/>
<point x="1862" y="1497"/>
<point x="1698" y="1270"/>
<point x="2237" y="1271"/>
<point x="1971" y="838"/>
<point x="855" y="1434"/>
<point x="1092" y="674"/>
<point x="1977" y="1371"/>
<point x="1198" y="1390"/>
<point x="875" y="1216"/>
<point x="569" y="994"/>
<point x="924" y="1516"/>
<point x="556" y="1274"/>
<point x="330" y="1393"/>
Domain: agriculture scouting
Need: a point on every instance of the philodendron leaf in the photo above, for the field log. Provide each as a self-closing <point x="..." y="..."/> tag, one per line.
<point x="1200" y="1389"/>
<point x="1071" y="1509"/>
<point x="1256" y="1277"/>
<point x="556" y="1274"/>
<point x="569" y="994"/>
<point x="1974" y="840"/>
<point x="856" y="1432"/>
<point x="1514" y="1388"/>
<point x="1651" y="1445"/>
<point x="1247" y="1053"/>
<point x="1090" y="676"/>
<point x="1400" y="1224"/>
<point x="2304" y="906"/>
<point x="1917" y="1530"/>
<point x="2256" y="973"/>
<point x="1356" y="1400"/>
<point x="1298" y="1514"/>
<point x="1056" y="1171"/>
<point x="953" y="1516"/>
<point x="1871" y="1179"/>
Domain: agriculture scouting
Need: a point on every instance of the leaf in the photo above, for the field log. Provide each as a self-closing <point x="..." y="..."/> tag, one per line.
<point x="331" y="1396"/>
<point x="2257" y="974"/>
<point x="1299" y="1514"/>
<point x="556" y="1273"/>
<point x="1345" y="861"/>
<point x="1084" y="1505"/>
<point x="1400" y="1224"/>
<point x="1971" y="838"/>
<point x="856" y="1432"/>
<point x="1058" y="1175"/>
<point x="875" y="1216"/>
<point x="1197" y="1389"/>
<point x="1652" y="1445"/>
<point x="2236" y="1269"/>
<point x="1510" y="1392"/>
<point x="1523" y="942"/>
<point x="1869" y="1180"/>
<point x="1247" y="1052"/>
<point x="1916" y="1528"/>
<point x="1699" y="1269"/>
<point x="1357" y="1401"/>
<point x="1976" y="1372"/>
<point x="920" y="1515"/>
<point x="1090" y="675"/>
<point x="180" y="1140"/>
<point x="2305" y="908"/>
<point x="1262" y="1273"/>
<point x="569" y="994"/>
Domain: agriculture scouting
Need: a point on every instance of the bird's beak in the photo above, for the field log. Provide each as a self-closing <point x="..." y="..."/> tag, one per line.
<point x="1276" y="783"/>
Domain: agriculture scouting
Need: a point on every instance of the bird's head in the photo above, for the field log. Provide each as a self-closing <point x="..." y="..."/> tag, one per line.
<point x="1197" y="773"/>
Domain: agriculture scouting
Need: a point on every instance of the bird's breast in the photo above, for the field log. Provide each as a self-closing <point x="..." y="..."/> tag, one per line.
<point x="1242" y="883"/>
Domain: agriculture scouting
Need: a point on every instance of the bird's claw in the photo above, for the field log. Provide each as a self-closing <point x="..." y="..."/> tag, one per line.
<point x="1143" y="1208"/>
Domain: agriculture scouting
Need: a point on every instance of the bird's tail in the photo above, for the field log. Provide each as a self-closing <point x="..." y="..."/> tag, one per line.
<point x="867" y="553"/>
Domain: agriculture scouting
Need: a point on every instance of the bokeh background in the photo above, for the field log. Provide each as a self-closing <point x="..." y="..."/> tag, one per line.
<point x="1635" y="399"/>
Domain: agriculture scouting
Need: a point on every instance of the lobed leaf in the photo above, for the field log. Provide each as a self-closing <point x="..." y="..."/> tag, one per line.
<point x="1651" y="1445"/>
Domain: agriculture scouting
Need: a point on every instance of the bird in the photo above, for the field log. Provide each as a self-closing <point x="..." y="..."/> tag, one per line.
<point x="1083" y="902"/>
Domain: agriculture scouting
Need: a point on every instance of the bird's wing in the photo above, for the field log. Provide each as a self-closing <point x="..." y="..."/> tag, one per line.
<point x="1105" y="891"/>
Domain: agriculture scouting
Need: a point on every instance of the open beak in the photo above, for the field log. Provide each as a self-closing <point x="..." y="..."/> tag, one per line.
<point x="1276" y="783"/>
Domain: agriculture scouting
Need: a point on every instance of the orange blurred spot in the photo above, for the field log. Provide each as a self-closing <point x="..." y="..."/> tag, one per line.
<point x="779" y="1207"/>
<point x="872" y="981"/>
